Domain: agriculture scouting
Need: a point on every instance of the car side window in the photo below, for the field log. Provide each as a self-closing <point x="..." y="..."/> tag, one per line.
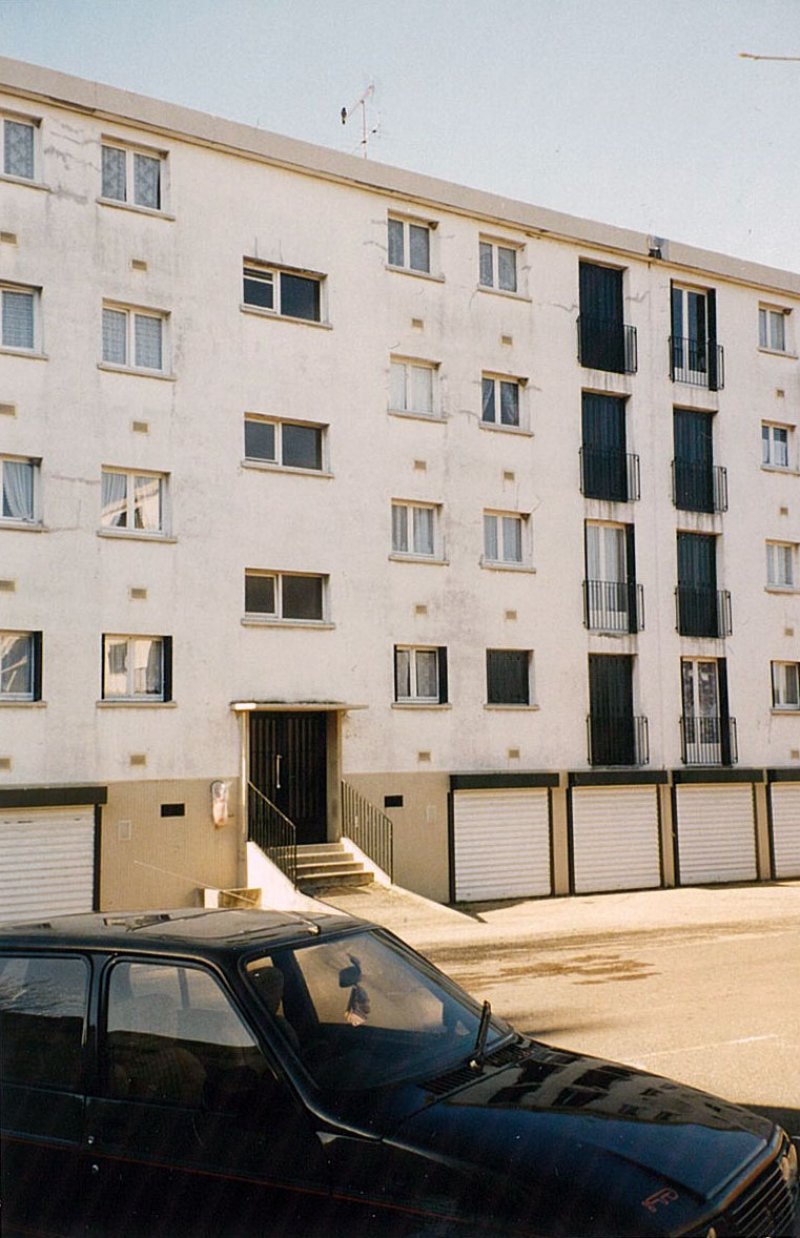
<point x="173" y="1037"/>
<point x="42" y="1019"/>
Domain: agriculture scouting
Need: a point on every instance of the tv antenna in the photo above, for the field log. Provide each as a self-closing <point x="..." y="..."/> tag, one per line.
<point x="754" y="56"/>
<point x="366" y="131"/>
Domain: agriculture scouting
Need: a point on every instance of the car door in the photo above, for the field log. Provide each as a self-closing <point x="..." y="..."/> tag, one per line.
<point x="192" y="1130"/>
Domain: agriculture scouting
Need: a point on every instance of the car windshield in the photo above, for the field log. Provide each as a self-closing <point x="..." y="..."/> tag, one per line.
<point x="360" y="1011"/>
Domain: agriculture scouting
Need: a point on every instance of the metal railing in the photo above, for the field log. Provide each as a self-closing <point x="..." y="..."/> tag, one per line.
<point x="272" y="831"/>
<point x="606" y="344"/>
<point x="610" y="475"/>
<point x="703" y="611"/>
<point x="708" y="740"/>
<point x="697" y="362"/>
<point x="368" y="827"/>
<point x="613" y="606"/>
<point x="698" y="488"/>
<point x="618" y="739"/>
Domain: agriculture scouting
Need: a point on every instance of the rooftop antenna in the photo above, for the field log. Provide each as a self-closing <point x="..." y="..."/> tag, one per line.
<point x="366" y="131"/>
<point x="755" y="56"/>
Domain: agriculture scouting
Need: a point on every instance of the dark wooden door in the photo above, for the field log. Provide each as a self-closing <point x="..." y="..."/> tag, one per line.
<point x="288" y="764"/>
<point x="611" y="709"/>
<point x="602" y="335"/>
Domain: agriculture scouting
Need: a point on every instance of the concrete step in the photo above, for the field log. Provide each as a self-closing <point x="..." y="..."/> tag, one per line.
<point x="325" y="864"/>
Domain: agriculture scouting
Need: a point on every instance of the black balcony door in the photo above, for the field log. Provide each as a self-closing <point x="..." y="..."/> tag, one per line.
<point x="604" y="446"/>
<point x="611" y="709"/>
<point x="602" y="335"/>
<point x="697" y="584"/>
<point x="288" y="764"/>
<point x="694" y="464"/>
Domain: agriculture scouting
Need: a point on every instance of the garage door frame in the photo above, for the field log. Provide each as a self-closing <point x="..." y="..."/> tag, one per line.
<point x="65" y="797"/>
<point x="786" y="779"/>
<point x="714" y="776"/>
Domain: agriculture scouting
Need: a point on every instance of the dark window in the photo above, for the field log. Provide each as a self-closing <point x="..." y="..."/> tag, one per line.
<point x="508" y="676"/>
<point x="604" y="463"/>
<point x="602" y="341"/>
<point x="697" y="585"/>
<point x="694" y="470"/>
<point x="259" y="288"/>
<point x="259" y="594"/>
<point x="42" y="1013"/>
<point x="299" y="296"/>
<point x="301" y="446"/>
<point x="290" y="295"/>
<point x="259" y="440"/>
<point x="611" y="720"/>
<point x="302" y="597"/>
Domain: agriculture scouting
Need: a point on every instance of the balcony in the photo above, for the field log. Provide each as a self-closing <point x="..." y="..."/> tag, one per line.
<point x="697" y="362"/>
<point x="698" y="487"/>
<point x="606" y="344"/>
<point x="612" y="475"/>
<point x="703" y="611"/>
<point x="708" y="740"/>
<point x="617" y="739"/>
<point x="613" y="606"/>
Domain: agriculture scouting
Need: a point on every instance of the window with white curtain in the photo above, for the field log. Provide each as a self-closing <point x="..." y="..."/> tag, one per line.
<point x="132" y="176"/>
<point x="18" y="311"/>
<point x="785" y="685"/>
<point x="412" y="386"/>
<point x="20" y="666"/>
<point x="504" y="539"/>
<point x="18" y="489"/>
<point x="133" y="502"/>
<point x="775" y="445"/>
<point x="134" y="339"/>
<point x="772" y="328"/>
<point x="501" y="401"/>
<point x="781" y="563"/>
<point x="497" y="266"/>
<point x="19" y="147"/>
<point x="415" y="529"/>
<point x="137" y="668"/>
<point x="409" y="244"/>
<point x="420" y="675"/>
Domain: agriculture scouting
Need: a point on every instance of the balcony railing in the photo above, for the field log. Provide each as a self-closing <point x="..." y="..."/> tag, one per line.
<point x="613" y="606"/>
<point x="703" y="611"/>
<point x="274" y="833"/>
<point x="618" y="739"/>
<point x="606" y="344"/>
<point x="708" y="740"/>
<point x="369" y="828"/>
<point x="698" y="488"/>
<point x="697" y="362"/>
<point x="610" y="475"/>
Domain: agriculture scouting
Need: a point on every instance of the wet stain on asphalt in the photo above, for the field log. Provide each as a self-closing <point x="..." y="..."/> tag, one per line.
<point x="580" y="969"/>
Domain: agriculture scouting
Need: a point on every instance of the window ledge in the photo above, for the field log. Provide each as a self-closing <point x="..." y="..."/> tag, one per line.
<point x="22" y="702"/>
<point x="501" y="429"/>
<point x="129" y="702"/>
<point x="24" y="180"/>
<point x="136" y="535"/>
<point x="32" y="354"/>
<point x="397" y="556"/>
<point x="440" y="705"/>
<point x="259" y="621"/>
<point x="778" y="352"/>
<point x="136" y="371"/>
<point x="791" y="589"/>
<point x="24" y="526"/>
<point x="504" y="292"/>
<point x="411" y="415"/>
<point x="274" y="316"/>
<point x="270" y="466"/>
<point x="135" y="207"/>
<point x="792" y="710"/>
<point x="493" y="565"/>
<point x="506" y="708"/>
<point x="435" y="279"/>
<point x="780" y="468"/>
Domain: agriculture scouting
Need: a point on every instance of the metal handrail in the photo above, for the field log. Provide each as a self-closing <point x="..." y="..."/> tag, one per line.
<point x="618" y="739"/>
<point x="613" y="606"/>
<point x="609" y="474"/>
<point x="369" y="828"/>
<point x="709" y="739"/>
<point x="607" y="344"/>
<point x="699" y="362"/>
<point x="272" y="831"/>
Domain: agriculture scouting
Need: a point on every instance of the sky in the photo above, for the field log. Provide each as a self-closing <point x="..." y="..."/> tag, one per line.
<point x="639" y="113"/>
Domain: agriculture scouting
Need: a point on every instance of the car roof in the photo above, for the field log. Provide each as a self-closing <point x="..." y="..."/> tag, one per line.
<point x="190" y="930"/>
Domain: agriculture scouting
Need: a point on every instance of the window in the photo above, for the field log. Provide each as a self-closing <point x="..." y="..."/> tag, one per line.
<point x="19" y="148"/>
<point x="508" y="676"/>
<point x="411" y="387"/>
<point x="19" y="317"/>
<point x="497" y="266"/>
<point x="420" y="675"/>
<point x="500" y="400"/>
<point x="132" y="176"/>
<point x="772" y="328"/>
<point x="284" y="595"/>
<point x="409" y="245"/>
<point x="133" y="338"/>
<point x="775" y="445"/>
<point x="504" y="538"/>
<point x="289" y="444"/>
<point x="414" y="529"/>
<point x="137" y="668"/>
<point x="612" y="601"/>
<point x="133" y="501"/>
<point x="785" y="685"/>
<point x="20" y="666"/>
<point x="781" y="565"/>
<point x="696" y="356"/>
<point x="18" y="489"/>
<point x="42" y="1014"/>
<point x="287" y="293"/>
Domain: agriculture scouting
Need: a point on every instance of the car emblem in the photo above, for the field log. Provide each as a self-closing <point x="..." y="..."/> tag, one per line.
<point x="661" y="1199"/>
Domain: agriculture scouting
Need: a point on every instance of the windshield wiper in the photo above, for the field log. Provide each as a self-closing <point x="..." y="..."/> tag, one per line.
<point x="479" y="1056"/>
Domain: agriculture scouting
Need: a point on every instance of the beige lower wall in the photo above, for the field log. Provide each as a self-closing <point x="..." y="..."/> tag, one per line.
<point x="421" y="838"/>
<point x="149" y="861"/>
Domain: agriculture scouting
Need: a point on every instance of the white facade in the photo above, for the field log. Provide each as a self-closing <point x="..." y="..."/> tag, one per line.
<point x="500" y="559"/>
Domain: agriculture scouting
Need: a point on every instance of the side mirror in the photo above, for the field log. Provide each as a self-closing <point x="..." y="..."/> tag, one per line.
<point x="350" y="976"/>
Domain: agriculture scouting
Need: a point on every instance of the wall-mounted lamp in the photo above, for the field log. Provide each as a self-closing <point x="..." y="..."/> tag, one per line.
<point x="220" y="792"/>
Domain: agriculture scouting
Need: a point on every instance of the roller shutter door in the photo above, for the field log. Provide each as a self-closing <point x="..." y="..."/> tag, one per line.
<point x="46" y="862"/>
<point x="785" y="803"/>
<point x="501" y="844"/>
<point x="615" y="839"/>
<point x="716" y="834"/>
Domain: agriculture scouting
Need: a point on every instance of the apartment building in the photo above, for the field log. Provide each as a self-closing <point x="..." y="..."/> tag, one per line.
<point x="333" y="493"/>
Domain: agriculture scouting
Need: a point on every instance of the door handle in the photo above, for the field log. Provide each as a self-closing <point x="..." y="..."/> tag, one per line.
<point x="278" y="759"/>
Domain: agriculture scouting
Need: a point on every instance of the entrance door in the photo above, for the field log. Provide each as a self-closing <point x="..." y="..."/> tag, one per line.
<point x="288" y="764"/>
<point x="702" y="721"/>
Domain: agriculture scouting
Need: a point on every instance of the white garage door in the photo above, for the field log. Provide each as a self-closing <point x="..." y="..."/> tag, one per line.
<point x="502" y="844"/>
<point x="615" y="838"/>
<point x="716" y="834"/>
<point x="46" y="862"/>
<point x="785" y="800"/>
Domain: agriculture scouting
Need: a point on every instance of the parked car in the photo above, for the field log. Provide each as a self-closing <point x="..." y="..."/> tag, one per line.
<point x="249" y="1073"/>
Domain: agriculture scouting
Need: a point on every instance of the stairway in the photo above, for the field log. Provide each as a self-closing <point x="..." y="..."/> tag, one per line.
<point x="328" y="864"/>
